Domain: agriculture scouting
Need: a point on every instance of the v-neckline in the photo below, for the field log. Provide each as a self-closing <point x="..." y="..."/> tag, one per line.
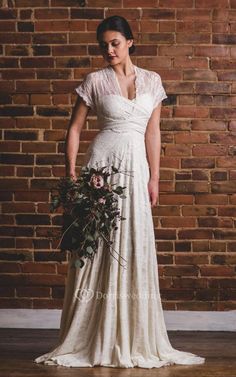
<point x="118" y="84"/>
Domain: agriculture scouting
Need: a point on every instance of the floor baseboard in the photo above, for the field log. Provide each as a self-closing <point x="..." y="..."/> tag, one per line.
<point x="175" y="320"/>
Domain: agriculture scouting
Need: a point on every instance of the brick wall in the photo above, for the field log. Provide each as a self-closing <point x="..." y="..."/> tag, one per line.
<point x="48" y="46"/>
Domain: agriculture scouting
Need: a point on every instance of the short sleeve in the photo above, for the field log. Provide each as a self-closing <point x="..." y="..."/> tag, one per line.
<point x="158" y="90"/>
<point x="85" y="90"/>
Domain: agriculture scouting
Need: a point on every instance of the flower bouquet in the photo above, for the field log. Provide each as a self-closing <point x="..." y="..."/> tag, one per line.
<point x="90" y="211"/>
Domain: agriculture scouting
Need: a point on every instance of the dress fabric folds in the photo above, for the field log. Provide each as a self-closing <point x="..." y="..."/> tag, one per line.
<point x="112" y="313"/>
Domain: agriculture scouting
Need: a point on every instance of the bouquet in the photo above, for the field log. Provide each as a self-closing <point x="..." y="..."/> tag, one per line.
<point x="90" y="211"/>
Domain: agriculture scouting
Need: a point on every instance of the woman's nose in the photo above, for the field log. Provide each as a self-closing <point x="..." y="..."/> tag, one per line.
<point x="109" y="49"/>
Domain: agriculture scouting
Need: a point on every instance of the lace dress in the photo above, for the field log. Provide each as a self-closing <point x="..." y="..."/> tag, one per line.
<point x="112" y="313"/>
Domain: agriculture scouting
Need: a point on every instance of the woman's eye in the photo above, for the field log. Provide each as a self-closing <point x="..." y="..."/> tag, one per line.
<point x="104" y="46"/>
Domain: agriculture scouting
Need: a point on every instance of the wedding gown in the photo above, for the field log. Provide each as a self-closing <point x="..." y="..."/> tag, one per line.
<point x="112" y="313"/>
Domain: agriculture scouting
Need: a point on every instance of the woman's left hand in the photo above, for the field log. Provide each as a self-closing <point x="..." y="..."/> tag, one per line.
<point x="153" y="189"/>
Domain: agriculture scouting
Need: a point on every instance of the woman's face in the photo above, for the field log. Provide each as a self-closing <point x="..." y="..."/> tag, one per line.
<point x="114" y="46"/>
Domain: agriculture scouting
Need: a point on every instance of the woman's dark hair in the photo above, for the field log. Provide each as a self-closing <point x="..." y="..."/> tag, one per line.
<point x="117" y="23"/>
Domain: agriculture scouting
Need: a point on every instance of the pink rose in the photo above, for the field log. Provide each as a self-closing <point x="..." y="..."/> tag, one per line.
<point x="102" y="200"/>
<point x="96" y="181"/>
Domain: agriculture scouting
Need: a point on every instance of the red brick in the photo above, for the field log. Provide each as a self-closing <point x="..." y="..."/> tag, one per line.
<point x="224" y="234"/>
<point x="32" y="267"/>
<point x="53" y="14"/>
<point x="223" y="187"/>
<point x="43" y="50"/>
<point x="54" y="38"/>
<point x="39" y="62"/>
<point x="13" y="146"/>
<point x="13" y="184"/>
<point x="16" y="231"/>
<point x="33" y="123"/>
<point x="181" y="271"/>
<point x="29" y="4"/>
<point x="190" y="282"/>
<point x="176" y="199"/>
<point x="168" y="234"/>
<point x="34" y="196"/>
<point x="39" y="147"/>
<point x="177" y="294"/>
<point x="22" y="159"/>
<point x="195" y="233"/>
<point x="7" y="26"/>
<point x="7" y="292"/>
<point x="47" y="303"/>
<point x="43" y="171"/>
<point x="216" y="271"/>
<point x="198" y="211"/>
<point x="87" y="13"/>
<point x="33" y="87"/>
<point x="24" y="171"/>
<point x="196" y="305"/>
<point x="65" y="50"/>
<point x="56" y="73"/>
<point x="6" y="267"/>
<point x="35" y="219"/>
<point x="190" y="62"/>
<point x="209" y="150"/>
<point x="200" y="38"/>
<point x="177" y="4"/>
<point x="177" y="222"/>
<point x="212" y="4"/>
<point x="219" y="176"/>
<point x="198" y="163"/>
<point x="16" y="111"/>
<point x="192" y="14"/>
<point x="15" y="38"/>
<point x="177" y="150"/>
<point x="43" y="184"/>
<point x="7" y="219"/>
<point x="211" y="199"/>
<point x="213" y="222"/>
<point x="18" y="207"/>
<point x="33" y="292"/>
<point x="20" y="99"/>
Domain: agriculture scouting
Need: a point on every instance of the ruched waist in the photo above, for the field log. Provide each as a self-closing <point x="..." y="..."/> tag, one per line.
<point x="123" y="126"/>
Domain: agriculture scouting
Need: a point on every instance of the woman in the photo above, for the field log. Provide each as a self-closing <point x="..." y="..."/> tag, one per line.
<point x="112" y="316"/>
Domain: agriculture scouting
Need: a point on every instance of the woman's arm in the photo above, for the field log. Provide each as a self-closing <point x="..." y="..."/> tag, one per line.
<point x="153" y="148"/>
<point x="76" y="124"/>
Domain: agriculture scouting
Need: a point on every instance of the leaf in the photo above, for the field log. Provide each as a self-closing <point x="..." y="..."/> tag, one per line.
<point x="89" y="250"/>
<point x="90" y="237"/>
<point x="79" y="263"/>
<point x="73" y="240"/>
<point x="114" y="169"/>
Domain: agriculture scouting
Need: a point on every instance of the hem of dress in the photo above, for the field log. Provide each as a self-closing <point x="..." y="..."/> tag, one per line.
<point x="58" y="361"/>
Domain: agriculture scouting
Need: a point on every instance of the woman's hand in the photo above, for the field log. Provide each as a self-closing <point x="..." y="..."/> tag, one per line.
<point x="153" y="189"/>
<point x="72" y="176"/>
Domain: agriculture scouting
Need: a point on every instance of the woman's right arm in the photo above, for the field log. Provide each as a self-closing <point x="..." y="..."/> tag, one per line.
<point x="77" y="121"/>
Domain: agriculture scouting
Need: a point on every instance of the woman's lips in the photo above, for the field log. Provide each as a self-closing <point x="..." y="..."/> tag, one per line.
<point x="111" y="57"/>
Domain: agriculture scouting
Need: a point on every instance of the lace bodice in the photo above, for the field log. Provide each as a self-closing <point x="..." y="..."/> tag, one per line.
<point x="104" y="82"/>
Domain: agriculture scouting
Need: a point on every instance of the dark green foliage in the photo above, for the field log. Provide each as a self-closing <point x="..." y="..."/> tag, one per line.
<point x="90" y="210"/>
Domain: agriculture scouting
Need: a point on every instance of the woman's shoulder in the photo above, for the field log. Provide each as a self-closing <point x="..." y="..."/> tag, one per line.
<point x="96" y="73"/>
<point x="93" y="77"/>
<point x="149" y="74"/>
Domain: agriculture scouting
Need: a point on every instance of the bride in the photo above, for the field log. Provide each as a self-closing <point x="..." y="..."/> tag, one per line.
<point x="112" y="316"/>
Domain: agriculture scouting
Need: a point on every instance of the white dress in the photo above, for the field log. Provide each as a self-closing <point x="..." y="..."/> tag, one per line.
<point x="112" y="313"/>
